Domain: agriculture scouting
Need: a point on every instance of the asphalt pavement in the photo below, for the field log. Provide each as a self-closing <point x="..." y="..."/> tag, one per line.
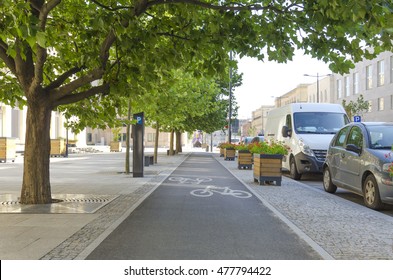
<point x="201" y="211"/>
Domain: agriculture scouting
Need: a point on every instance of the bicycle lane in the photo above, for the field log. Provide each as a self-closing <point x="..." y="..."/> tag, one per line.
<point x="201" y="211"/>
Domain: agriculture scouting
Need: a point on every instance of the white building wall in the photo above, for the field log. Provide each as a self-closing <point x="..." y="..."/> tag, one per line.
<point x="379" y="95"/>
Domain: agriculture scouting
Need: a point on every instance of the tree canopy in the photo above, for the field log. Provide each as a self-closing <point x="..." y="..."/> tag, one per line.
<point x="84" y="54"/>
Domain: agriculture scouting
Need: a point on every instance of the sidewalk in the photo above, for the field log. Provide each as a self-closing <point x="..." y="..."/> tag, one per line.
<point x="64" y="234"/>
<point x="336" y="228"/>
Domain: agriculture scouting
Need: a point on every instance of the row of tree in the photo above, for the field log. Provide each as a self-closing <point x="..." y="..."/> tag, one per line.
<point x="88" y="57"/>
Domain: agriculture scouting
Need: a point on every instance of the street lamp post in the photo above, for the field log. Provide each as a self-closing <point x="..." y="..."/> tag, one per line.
<point x="317" y="76"/>
<point x="230" y="100"/>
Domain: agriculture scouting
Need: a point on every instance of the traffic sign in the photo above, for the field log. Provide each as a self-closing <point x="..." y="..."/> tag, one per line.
<point x="357" y="119"/>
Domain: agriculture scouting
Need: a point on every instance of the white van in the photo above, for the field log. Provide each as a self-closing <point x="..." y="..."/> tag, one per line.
<point x="307" y="128"/>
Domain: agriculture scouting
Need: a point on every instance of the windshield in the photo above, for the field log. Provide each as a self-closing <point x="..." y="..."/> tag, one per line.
<point x="381" y="136"/>
<point x="319" y="122"/>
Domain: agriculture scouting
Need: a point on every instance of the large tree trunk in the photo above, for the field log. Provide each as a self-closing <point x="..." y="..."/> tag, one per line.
<point x="171" y="140"/>
<point x="36" y="187"/>
<point x="128" y="137"/>
<point x="178" y="142"/>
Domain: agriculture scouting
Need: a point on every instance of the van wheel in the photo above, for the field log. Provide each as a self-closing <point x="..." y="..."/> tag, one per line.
<point x="371" y="193"/>
<point x="293" y="170"/>
<point x="327" y="181"/>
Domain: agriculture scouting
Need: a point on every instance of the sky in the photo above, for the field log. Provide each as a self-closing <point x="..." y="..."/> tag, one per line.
<point x="262" y="81"/>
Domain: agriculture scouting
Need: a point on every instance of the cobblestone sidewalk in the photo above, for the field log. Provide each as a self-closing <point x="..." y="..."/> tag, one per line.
<point x="344" y="230"/>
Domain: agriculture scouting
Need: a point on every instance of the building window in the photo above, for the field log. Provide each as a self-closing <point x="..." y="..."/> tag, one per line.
<point x="391" y="69"/>
<point x="369" y="77"/>
<point x="391" y="102"/>
<point x="124" y="137"/>
<point x="339" y="91"/>
<point x="347" y="86"/>
<point x="370" y="105"/>
<point x="356" y="83"/>
<point x="381" y="104"/>
<point x="15" y="123"/>
<point x="89" y="137"/>
<point x="151" y="137"/>
<point x="381" y="73"/>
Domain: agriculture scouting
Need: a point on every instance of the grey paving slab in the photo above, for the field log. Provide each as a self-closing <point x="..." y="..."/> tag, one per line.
<point x="65" y="204"/>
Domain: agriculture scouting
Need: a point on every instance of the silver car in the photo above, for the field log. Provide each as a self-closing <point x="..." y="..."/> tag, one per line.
<point x="358" y="159"/>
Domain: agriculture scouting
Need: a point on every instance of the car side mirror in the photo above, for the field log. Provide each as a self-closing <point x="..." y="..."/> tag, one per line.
<point x="353" y="148"/>
<point x="286" y="131"/>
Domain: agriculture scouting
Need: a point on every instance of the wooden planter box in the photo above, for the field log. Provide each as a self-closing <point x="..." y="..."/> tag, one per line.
<point x="72" y="143"/>
<point x="57" y="148"/>
<point x="7" y="149"/>
<point x="222" y="152"/>
<point x="229" y="154"/>
<point x="115" y="146"/>
<point x="267" y="168"/>
<point x="244" y="160"/>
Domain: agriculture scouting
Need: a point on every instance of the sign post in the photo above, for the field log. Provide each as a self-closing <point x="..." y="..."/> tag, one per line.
<point x="138" y="133"/>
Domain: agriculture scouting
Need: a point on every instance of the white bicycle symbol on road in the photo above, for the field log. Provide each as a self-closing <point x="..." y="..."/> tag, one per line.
<point x="194" y="181"/>
<point x="210" y="190"/>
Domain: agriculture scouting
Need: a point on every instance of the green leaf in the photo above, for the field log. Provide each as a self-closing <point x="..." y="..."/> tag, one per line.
<point x="41" y="39"/>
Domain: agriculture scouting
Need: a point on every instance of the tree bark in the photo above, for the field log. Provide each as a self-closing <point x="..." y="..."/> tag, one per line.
<point x="171" y="140"/>
<point x="128" y="137"/>
<point x="178" y="142"/>
<point x="36" y="187"/>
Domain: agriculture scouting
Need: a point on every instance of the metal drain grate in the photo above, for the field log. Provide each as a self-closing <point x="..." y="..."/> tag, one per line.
<point x="77" y="200"/>
<point x="5" y="203"/>
<point x="61" y="203"/>
<point x="87" y="200"/>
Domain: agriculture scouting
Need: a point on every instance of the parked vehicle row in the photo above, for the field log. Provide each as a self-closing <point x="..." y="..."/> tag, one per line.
<point x="352" y="156"/>
<point x="359" y="160"/>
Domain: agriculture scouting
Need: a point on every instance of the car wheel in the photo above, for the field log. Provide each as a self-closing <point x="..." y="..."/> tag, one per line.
<point x="371" y="195"/>
<point x="293" y="170"/>
<point x="327" y="181"/>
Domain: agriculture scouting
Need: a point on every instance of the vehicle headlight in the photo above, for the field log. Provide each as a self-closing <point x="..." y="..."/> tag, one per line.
<point x="305" y="148"/>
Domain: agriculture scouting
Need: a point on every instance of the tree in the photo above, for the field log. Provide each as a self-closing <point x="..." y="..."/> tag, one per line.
<point x="55" y="53"/>
<point x="356" y="108"/>
<point x="186" y="104"/>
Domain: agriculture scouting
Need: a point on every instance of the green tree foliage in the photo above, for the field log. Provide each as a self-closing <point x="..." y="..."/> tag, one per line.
<point x="81" y="55"/>
<point x="356" y="108"/>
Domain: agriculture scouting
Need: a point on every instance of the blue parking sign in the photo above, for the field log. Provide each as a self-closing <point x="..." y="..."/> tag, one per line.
<point x="357" y="119"/>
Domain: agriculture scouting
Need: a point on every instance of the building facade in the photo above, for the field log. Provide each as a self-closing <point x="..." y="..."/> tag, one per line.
<point x="103" y="137"/>
<point x="13" y="125"/>
<point x="258" y="122"/>
<point x="298" y="94"/>
<point x="373" y="79"/>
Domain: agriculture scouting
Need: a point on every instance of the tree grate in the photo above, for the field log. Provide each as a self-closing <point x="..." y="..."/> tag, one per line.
<point x="75" y="200"/>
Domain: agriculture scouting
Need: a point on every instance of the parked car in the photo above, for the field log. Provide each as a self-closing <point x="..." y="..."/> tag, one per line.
<point x="252" y="139"/>
<point x="307" y="129"/>
<point x="358" y="159"/>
